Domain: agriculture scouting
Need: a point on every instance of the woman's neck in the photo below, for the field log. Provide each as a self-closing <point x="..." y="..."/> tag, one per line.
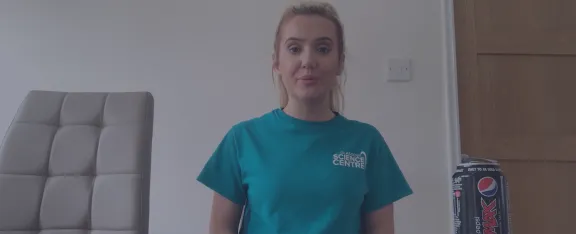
<point x="309" y="112"/>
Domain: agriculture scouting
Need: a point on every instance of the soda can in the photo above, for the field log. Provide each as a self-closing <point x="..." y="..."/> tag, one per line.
<point x="480" y="198"/>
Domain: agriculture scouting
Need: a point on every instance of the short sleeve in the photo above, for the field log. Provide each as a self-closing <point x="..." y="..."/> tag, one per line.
<point x="222" y="172"/>
<point x="386" y="182"/>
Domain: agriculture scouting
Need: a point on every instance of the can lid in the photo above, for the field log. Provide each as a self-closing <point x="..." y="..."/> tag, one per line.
<point x="466" y="160"/>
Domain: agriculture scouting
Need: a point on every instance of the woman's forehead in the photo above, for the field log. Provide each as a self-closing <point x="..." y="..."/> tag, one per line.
<point x="308" y="27"/>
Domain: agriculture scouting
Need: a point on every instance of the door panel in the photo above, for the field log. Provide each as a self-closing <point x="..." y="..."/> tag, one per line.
<point x="516" y="72"/>
<point x="543" y="196"/>
<point x="526" y="26"/>
<point x="528" y="107"/>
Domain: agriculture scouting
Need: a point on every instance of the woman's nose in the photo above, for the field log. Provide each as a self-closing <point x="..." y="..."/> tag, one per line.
<point x="308" y="60"/>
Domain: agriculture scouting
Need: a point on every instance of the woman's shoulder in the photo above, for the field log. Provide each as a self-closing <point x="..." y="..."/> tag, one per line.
<point x="364" y="127"/>
<point x="252" y="123"/>
<point x="366" y="131"/>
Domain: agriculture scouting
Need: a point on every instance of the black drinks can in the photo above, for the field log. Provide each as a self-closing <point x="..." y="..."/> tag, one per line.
<point x="480" y="198"/>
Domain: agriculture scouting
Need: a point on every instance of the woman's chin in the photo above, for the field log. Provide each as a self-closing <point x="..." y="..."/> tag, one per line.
<point x="311" y="95"/>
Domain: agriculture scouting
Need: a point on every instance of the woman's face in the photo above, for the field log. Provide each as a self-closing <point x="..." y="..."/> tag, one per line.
<point x="308" y="58"/>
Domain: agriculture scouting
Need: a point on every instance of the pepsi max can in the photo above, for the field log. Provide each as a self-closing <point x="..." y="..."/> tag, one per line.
<point x="480" y="198"/>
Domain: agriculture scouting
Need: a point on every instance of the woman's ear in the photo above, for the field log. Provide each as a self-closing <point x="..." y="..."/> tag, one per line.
<point x="274" y="63"/>
<point x="341" y="66"/>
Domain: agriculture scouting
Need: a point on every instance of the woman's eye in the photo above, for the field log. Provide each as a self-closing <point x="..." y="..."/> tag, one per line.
<point x="293" y="49"/>
<point x="324" y="50"/>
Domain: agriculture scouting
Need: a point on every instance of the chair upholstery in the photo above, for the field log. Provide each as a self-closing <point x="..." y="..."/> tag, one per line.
<point x="77" y="163"/>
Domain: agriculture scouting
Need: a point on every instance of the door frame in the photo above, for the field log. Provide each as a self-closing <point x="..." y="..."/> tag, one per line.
<point x="451" y="85"/>
<point x="452" y="117"/>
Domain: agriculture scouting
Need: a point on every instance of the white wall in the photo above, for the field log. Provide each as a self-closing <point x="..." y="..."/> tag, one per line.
<point x="208" y="65"/>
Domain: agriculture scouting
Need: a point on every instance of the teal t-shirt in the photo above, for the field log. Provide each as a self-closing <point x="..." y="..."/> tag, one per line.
<point x="295" y="176"/>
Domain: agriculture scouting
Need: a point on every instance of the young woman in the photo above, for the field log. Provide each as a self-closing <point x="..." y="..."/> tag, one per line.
<point x="304" y="168"/>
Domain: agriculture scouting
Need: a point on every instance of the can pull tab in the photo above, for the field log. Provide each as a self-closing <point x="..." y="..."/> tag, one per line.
<point x="465" y="158"/>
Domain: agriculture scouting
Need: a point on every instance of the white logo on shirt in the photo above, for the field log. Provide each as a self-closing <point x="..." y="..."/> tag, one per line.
<point x="347" y="159"/>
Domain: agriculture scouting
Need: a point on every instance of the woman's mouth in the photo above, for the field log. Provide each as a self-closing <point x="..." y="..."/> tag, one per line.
<point x="307" y="79"/>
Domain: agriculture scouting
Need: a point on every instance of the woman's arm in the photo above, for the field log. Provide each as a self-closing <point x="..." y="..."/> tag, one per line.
<point x="225" y="216"/>
<point x="380" y="221"/>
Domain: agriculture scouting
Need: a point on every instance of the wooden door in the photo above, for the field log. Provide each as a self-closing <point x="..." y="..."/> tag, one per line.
<point x="516" y="62"/>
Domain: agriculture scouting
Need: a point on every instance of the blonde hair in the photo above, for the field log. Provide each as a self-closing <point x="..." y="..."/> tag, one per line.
<point x="325" y="10"/>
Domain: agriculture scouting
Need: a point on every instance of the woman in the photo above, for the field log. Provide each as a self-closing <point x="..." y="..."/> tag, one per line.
<point x="304" y="168"/>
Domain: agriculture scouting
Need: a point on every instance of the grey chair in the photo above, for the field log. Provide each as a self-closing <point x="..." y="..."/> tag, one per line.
<point x="77" y="163"/>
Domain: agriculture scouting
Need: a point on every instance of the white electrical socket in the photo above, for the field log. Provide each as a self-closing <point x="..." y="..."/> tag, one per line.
<point x="399" y="69"/>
